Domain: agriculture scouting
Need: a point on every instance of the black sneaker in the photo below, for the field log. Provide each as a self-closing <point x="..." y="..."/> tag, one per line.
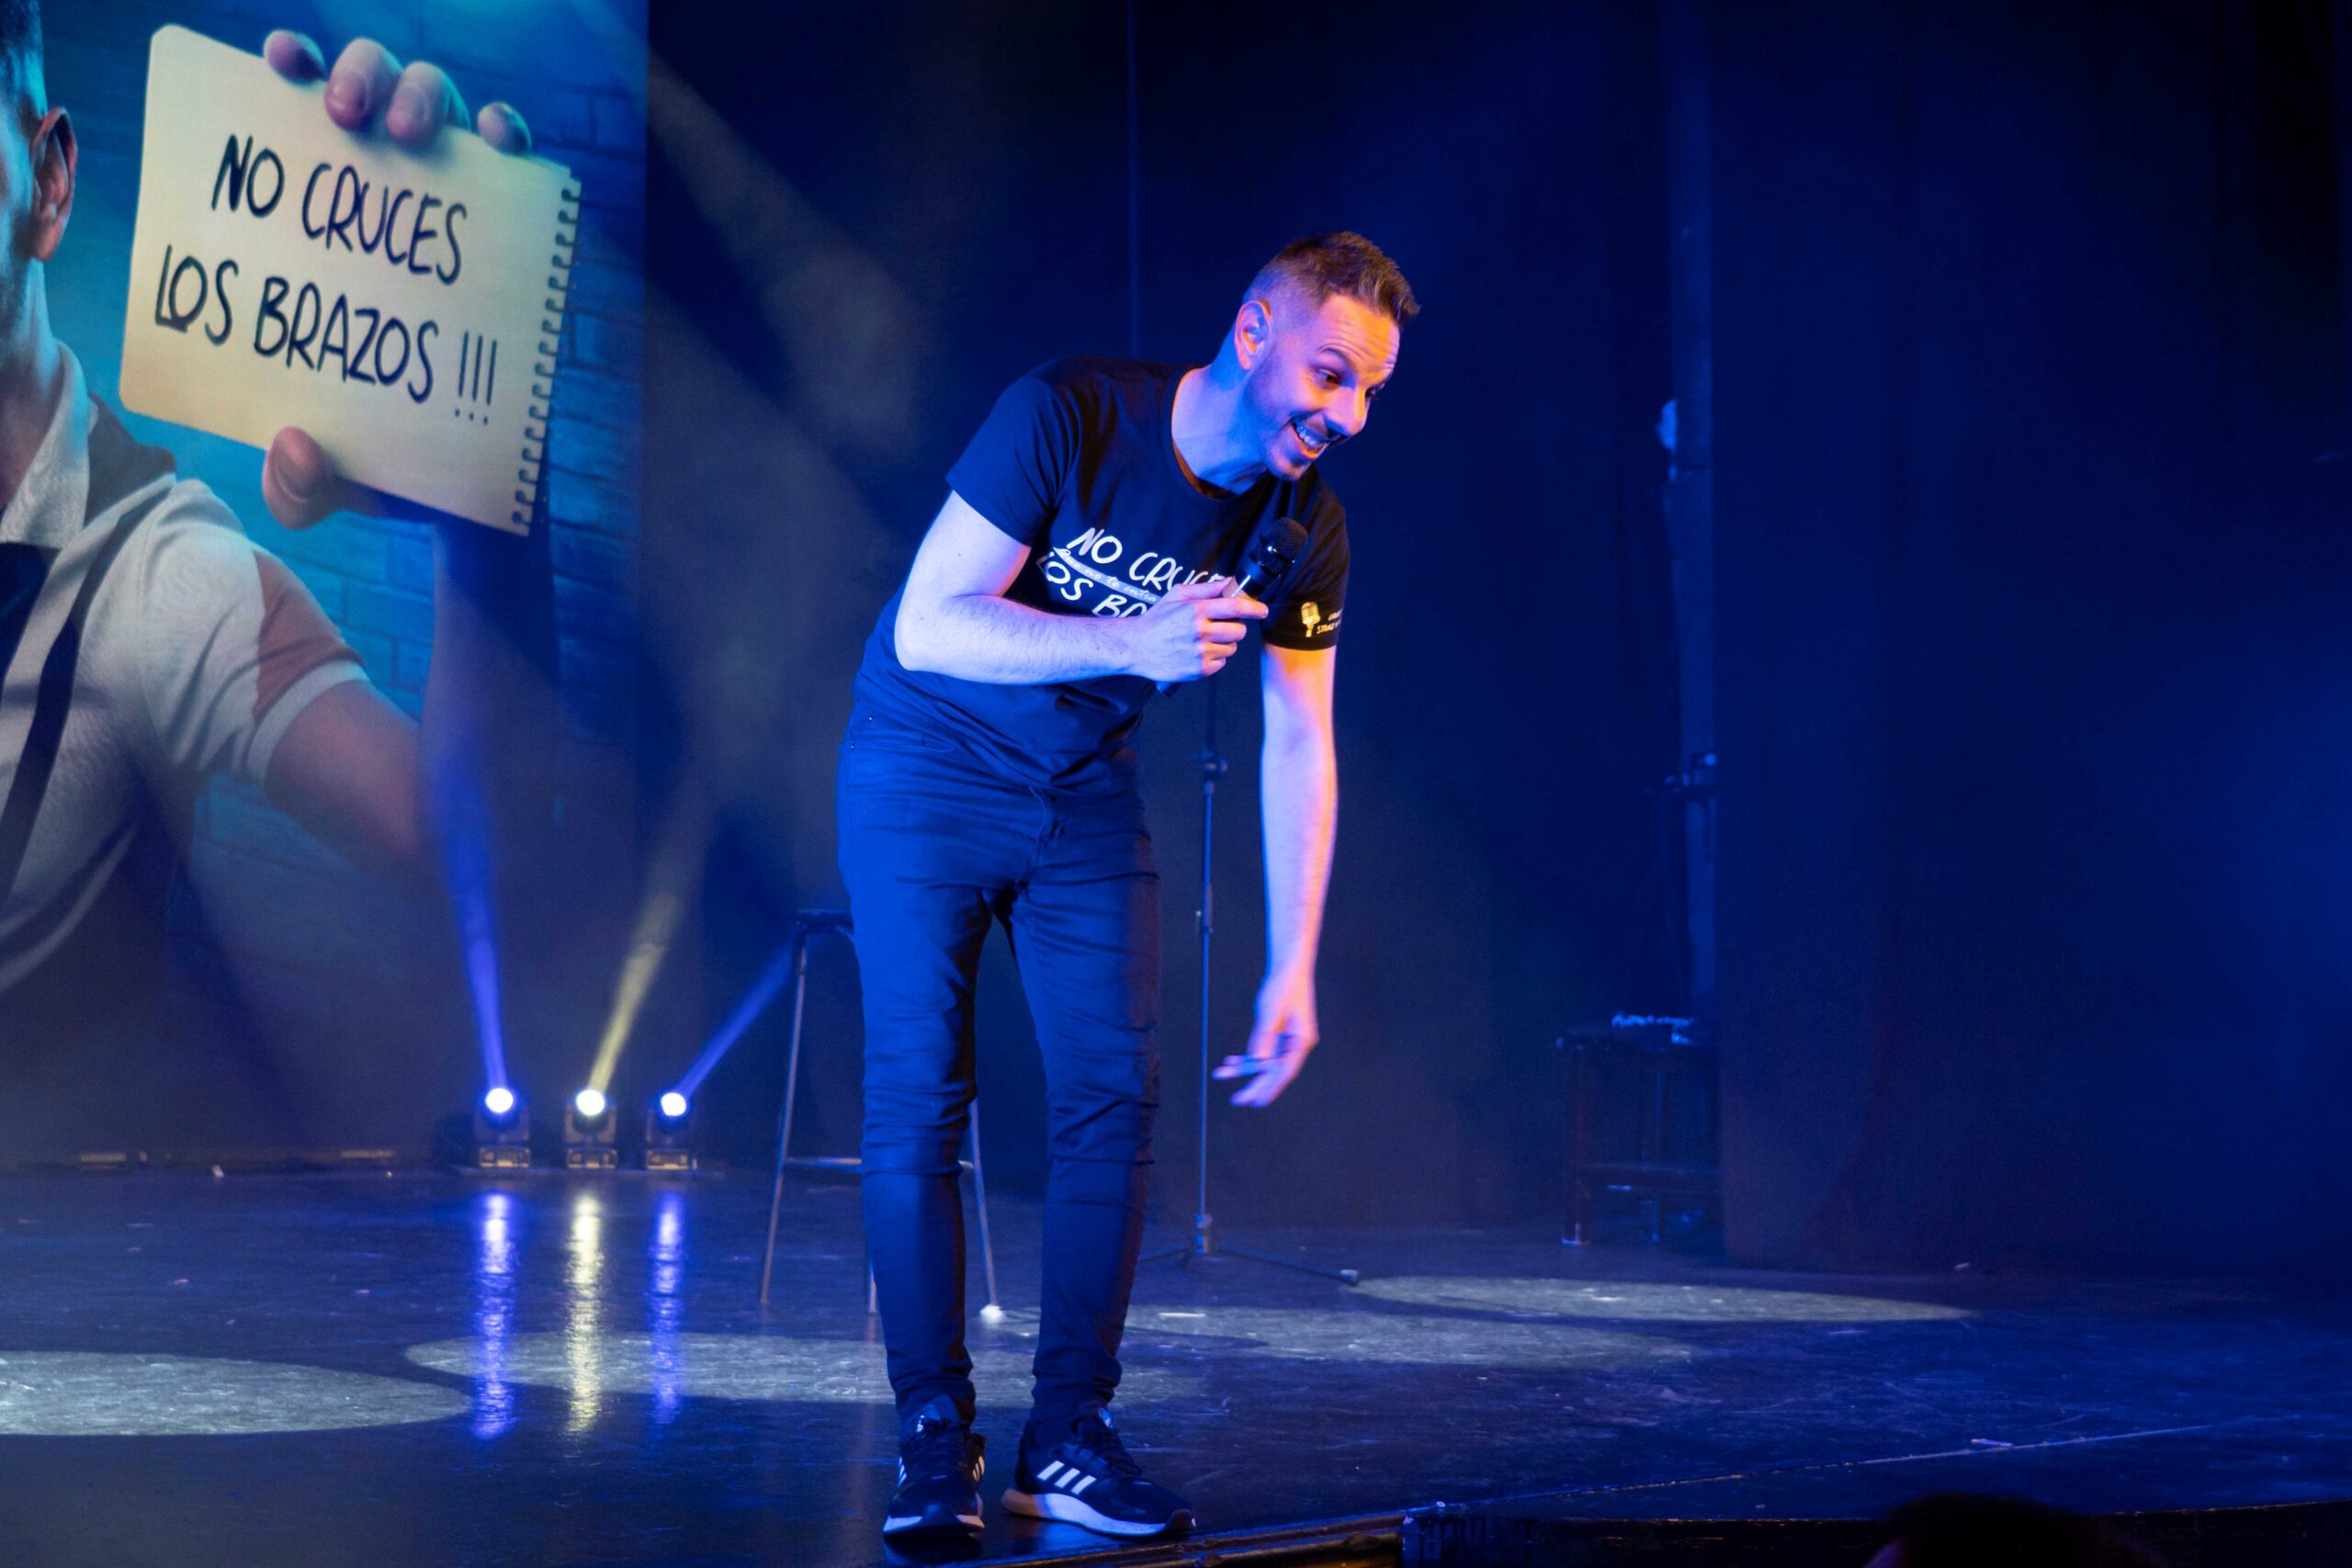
<point x="1081" y="1473"/>
<point x="939" y="1473"/>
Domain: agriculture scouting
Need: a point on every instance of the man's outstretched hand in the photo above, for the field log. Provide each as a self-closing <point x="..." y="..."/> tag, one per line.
<point x="298" y="480"/>
<point x="1279" y="1043"/>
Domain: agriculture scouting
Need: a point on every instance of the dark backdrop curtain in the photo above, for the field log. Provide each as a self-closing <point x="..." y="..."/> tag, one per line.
<point x="2035" y="648"/>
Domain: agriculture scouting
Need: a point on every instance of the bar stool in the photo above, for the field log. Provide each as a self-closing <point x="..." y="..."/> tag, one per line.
<point x="808" y="925"/>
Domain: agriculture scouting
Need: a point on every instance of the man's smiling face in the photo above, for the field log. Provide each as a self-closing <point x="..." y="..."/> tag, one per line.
<point x="1311" y="385"/>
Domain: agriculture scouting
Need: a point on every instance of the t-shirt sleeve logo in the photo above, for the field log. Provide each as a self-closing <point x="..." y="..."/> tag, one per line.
<point x="1312" y="620"/>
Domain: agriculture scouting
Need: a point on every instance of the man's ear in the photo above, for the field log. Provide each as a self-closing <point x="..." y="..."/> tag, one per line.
<point x="54" y="159"/>
<point x="1253" y="329"/>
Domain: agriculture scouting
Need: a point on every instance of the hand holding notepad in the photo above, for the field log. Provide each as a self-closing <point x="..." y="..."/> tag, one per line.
<point x="398" y="304"/>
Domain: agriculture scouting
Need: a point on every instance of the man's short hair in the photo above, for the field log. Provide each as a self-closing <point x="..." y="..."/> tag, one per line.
<point x="1321" y="265"/>
<point x="20" y="50"/>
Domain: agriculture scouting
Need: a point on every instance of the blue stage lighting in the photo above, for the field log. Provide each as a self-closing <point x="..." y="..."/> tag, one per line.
<point x="590" y="1102"/>
<point x="669" y="1139"/>
<point x="502" y="1131"/>
<point x="466" y="864"/>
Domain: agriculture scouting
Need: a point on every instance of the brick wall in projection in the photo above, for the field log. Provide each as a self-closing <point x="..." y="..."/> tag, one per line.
<point x="273" y="935"/>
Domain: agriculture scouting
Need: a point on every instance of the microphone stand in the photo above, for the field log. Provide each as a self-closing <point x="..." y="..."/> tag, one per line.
<point x="1204" y="1244"/>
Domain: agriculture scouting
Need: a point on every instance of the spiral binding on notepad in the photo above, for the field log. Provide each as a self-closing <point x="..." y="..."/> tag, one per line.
<point x="541" y="409"/>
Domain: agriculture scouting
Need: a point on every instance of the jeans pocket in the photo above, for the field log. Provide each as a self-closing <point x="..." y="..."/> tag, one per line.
<point x="873" y="732"/>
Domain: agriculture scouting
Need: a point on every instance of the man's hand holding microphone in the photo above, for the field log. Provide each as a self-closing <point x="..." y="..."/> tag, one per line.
<point x="1192" y="630"/>
<point x="1199" y="625"/>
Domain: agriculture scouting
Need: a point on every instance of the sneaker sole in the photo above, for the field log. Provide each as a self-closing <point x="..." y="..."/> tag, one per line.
<point x="971" y="1524"/>
<point x="1075" y="1511"/>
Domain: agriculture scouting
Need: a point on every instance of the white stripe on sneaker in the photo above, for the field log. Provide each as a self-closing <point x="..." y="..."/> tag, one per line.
<point x="1047" y="1474"/>
<point x="1080" y="1489"/>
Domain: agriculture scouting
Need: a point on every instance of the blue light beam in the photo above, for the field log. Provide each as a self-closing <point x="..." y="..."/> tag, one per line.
<point x="755" y="1002"/>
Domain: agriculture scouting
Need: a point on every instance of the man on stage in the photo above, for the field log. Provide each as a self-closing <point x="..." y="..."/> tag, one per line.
<point x="1086" y="555"/>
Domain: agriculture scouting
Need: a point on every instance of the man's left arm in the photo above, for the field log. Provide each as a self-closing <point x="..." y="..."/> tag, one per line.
<point x="1299" y="803"/>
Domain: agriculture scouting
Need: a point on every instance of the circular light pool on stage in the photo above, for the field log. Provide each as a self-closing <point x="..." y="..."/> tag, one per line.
<point x="589" y="1102"/>
<point x="1649" y="1300"/>
<point x="76" y="1393"/>
<point x="1391" y="1338"/>
<point x="673" y="1105"/>
<point x="499" y="1101"/>
<point x="1243" y="1335"/>
<point x="776" y="1369"/>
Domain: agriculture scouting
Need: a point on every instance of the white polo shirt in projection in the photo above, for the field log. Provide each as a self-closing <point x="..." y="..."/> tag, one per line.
<point x="198" y="649"/>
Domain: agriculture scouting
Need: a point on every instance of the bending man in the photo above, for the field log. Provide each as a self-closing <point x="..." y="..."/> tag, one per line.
<point x="1086" y="556"/>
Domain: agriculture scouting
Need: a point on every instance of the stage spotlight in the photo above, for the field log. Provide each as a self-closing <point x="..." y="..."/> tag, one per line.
<point x="502" y="1131"/>
<point x="588" y="1133"/>
<point x="465" y="835"/>
<point x="668" y="1145"/>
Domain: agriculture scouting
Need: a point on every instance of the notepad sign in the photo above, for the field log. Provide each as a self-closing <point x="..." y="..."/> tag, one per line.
<point x="404" y="308"/>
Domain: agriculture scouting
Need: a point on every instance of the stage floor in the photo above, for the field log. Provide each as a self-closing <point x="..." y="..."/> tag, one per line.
<point x="439" y="1370"/>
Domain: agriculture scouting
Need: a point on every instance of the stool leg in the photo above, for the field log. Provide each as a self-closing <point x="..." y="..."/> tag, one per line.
<point x="792" y="1058"/>
<point x="791" y="1084"/>
<point x="1654" y="1151"/>
<point x="1581" y="1147"/>
<point x="776" y="1211"/>
<point x="980" y="1202"/>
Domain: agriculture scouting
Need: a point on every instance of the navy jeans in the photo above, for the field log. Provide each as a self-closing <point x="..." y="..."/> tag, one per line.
<point x="934" y="848"/>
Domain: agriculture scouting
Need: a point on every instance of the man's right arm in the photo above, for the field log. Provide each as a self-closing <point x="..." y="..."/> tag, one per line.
<point x="954" y="618"/>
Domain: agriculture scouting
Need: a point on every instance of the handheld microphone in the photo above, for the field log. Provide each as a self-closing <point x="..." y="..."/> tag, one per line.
<point x="1267" y="562"/>
<point x="1270" y="558"/>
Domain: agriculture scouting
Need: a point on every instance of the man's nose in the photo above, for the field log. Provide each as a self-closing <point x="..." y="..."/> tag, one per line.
<point x="1347" y="413"/>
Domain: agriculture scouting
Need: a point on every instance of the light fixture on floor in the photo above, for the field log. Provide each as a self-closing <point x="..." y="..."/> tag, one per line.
<point x="502" y="1131"/>
<point x="588" y="1133"/>
<point x="668" y="1133"/>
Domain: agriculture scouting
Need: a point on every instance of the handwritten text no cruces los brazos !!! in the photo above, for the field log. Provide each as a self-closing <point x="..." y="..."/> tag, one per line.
<point x="339" y="210"/>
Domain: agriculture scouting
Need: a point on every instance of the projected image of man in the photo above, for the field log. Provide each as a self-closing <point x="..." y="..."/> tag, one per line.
<point x="1087" y="555"/>
<point x="148" y="644"/>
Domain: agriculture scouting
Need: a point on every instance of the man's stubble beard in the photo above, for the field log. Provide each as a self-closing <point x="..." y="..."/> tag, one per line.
<point x="16" y="296"/>
<point x="1266" y="421"/>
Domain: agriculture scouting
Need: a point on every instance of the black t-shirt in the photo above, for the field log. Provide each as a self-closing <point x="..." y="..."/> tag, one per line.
<point x="1077" y="461"/>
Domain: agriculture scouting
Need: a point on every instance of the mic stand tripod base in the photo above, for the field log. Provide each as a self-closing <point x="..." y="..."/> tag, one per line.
<point x="1206" y="1248"/>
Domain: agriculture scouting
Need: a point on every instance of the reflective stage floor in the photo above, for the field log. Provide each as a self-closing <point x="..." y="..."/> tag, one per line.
<point x="441" y="1370"/>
